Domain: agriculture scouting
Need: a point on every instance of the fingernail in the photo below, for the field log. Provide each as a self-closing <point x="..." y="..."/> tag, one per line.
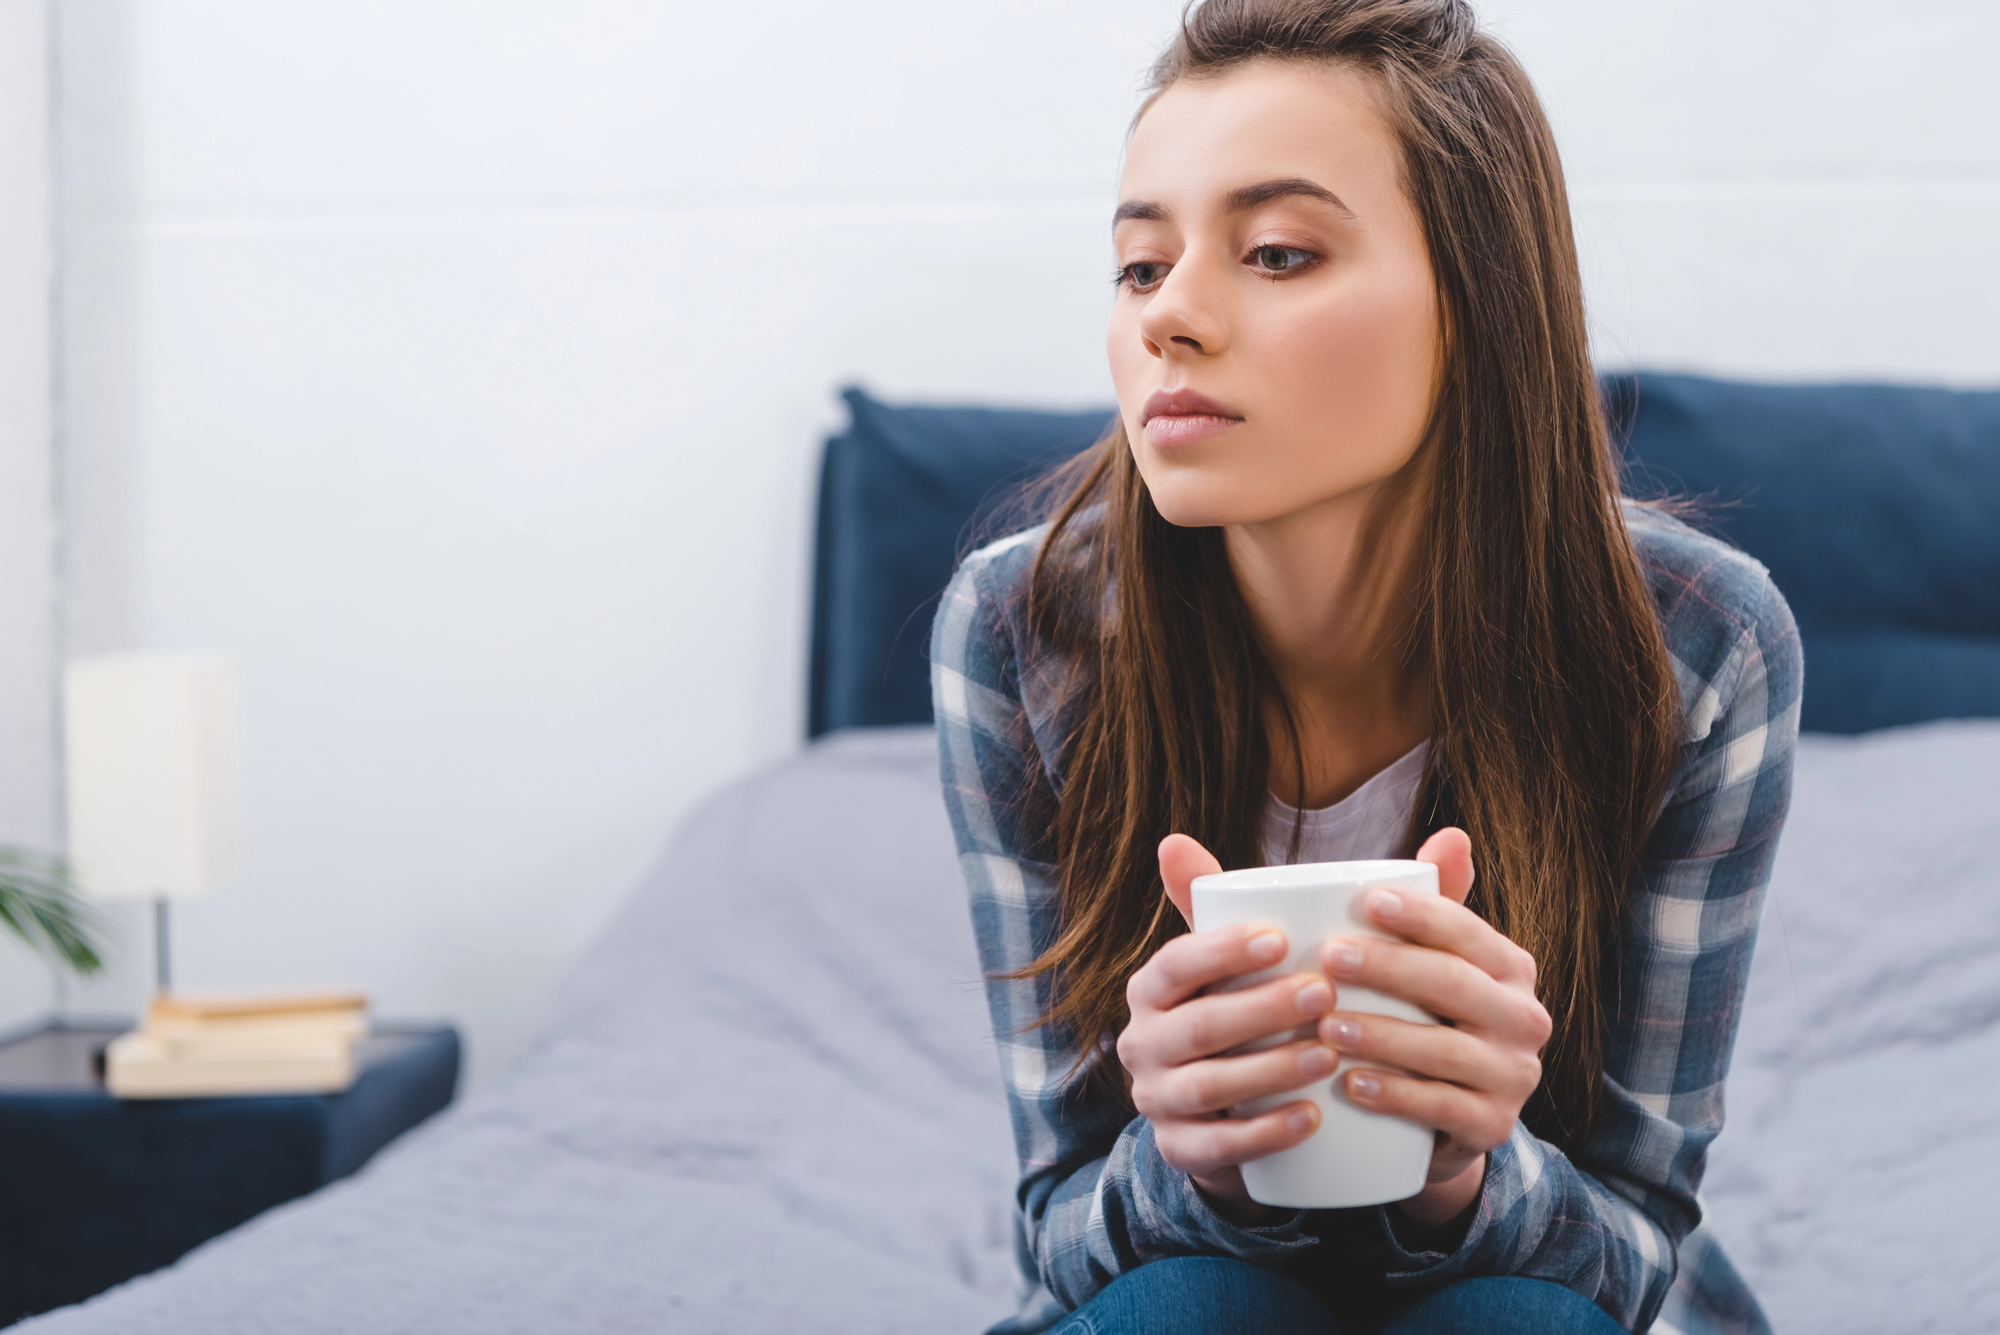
<point x="1267" y="948"/>
<point x="1344" y="957"/>
<point x="1318" y="1061"/>
<point x="1343" y="1033"/>
<point x="1384" y="905"/>
<point x="1361" y="1086"/>
<point x="1300" y="1122"/>
<point x="1315" y="999"/>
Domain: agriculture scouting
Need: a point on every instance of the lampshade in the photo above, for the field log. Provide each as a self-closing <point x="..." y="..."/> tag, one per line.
<point x="154" y="775"/>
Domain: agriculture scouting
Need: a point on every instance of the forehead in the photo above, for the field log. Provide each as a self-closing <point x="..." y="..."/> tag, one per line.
<point x="1263" y="120"/>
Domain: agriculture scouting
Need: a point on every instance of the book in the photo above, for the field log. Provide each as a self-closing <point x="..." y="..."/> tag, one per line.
<point x="247" y="1006"/>
<point x="138" y="1066"/>
<point x="205" y="1046"/>
<point x="314" y="1032"/>
<point x="273" y="1041"/>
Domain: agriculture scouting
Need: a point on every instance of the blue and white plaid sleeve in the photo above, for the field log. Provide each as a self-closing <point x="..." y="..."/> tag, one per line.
<point x="1608" y="1222"/>
<point x="1095" y="1199"/>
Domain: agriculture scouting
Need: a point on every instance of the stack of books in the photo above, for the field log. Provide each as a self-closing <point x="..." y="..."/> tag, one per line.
<point x="193" y="1047"/>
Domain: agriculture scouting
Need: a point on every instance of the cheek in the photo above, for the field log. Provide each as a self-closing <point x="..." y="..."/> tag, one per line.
<point x="1353" y="377"/>
<point x="1131" y="365"/>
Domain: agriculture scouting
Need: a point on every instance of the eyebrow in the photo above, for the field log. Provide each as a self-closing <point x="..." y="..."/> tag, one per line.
<point x="1240" y="200"/>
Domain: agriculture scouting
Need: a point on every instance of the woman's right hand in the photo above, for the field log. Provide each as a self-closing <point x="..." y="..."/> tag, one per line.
<point x="1172" y="1046"/>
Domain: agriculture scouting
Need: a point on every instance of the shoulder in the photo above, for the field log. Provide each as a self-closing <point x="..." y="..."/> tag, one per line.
<point x="1727" y="627"/>
<point x="1001" y="568"/>
<point x="974" y="627"/>
<point x="992" y="673"/>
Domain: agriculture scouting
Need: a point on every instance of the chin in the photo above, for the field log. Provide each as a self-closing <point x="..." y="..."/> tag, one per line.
<point x="1198" y="502"/>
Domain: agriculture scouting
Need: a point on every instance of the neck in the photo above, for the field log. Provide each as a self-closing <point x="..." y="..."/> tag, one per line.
<point x="1330" y="591"/>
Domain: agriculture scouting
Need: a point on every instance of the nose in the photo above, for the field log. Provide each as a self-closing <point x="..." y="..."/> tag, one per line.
<point x="1182" y="316"/>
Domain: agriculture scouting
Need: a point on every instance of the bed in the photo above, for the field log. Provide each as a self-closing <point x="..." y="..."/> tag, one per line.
<point x="766" y="1100"/>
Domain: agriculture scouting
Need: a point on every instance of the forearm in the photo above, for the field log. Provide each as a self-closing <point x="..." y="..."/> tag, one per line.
<point x="1538" y="1215"/>
<point x="1441" y="1202"/>
<point x="1093" y="1222"/>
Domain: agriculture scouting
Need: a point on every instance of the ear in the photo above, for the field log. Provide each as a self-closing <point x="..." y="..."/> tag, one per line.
<point x="1181" y="860"/>
<point x="1450" y="851"/>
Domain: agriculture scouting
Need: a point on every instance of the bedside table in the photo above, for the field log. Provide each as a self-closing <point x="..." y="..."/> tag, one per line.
<point x="95" y="1190"/>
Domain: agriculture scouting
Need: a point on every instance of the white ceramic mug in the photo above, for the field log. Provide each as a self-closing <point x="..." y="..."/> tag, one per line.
<point x="1356" y="1157"/>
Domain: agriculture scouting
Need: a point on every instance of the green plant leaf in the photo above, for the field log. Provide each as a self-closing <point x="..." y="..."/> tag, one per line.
<point x="38" y="904"/>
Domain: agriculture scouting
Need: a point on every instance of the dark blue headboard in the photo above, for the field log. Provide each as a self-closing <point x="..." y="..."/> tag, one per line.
<point x="1876" y="507"/>
<point x="901" y="493"/>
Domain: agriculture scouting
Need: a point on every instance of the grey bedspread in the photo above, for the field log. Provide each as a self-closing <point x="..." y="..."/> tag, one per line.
<point x="766" y="1103"/>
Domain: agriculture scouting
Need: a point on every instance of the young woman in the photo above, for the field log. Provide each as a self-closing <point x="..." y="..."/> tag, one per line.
<point x="1350" y="578"/>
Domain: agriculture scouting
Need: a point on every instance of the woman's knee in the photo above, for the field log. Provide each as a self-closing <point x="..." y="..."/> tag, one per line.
<point x="1200" y="1295"/>
<point x="1507" y="1305"/>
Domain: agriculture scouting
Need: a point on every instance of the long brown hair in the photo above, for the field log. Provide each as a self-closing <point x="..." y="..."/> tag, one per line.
<point x="1554" y="711"/>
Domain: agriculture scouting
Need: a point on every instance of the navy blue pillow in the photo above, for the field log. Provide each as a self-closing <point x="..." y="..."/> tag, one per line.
<point x="901" y="494"/>
<point x="1877" y="509"/>
<point x="1875" y="506"/>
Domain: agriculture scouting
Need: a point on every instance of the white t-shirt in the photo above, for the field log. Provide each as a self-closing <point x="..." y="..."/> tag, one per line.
<point x="1370" y="822"/>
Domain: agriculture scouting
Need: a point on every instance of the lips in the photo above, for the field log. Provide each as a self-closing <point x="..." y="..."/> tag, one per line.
<point x="1184" y="417"/>
<point x="1185" y="403"/>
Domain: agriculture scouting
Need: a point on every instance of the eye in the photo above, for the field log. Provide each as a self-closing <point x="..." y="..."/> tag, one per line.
<point x="1276" y="261"/>
<point x="1140" y="277"/>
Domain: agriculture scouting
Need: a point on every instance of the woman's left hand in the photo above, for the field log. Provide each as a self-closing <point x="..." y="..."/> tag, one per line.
<point x="1468" y="1078"/>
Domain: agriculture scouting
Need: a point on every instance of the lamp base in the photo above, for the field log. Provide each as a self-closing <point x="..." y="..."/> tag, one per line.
<point x="161" y="971"/>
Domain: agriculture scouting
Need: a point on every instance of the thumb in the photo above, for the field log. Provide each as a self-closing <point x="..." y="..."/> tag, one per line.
<point x="1450" y="851"/>
<point x="1181" y="860"/>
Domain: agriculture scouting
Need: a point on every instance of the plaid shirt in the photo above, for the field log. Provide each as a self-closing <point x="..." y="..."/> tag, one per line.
<point x="1619" y="1220"/>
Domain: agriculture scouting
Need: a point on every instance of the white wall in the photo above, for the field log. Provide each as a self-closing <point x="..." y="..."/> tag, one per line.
<point x="1780" y="188"/>
<point x="462" y="365"/>
<point x="27" y="530"/>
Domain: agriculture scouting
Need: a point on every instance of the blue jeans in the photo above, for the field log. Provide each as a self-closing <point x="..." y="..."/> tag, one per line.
<point x="1210" y="1295"/>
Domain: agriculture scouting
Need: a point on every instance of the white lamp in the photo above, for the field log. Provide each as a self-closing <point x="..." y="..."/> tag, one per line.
<point x="155" y="784"/>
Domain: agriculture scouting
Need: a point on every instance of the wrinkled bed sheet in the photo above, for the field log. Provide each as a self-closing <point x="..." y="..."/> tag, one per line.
<point x="767" y="1102"/>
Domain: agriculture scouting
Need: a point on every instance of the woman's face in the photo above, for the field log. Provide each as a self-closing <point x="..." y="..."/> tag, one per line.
<point x="1275" y="338"/>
